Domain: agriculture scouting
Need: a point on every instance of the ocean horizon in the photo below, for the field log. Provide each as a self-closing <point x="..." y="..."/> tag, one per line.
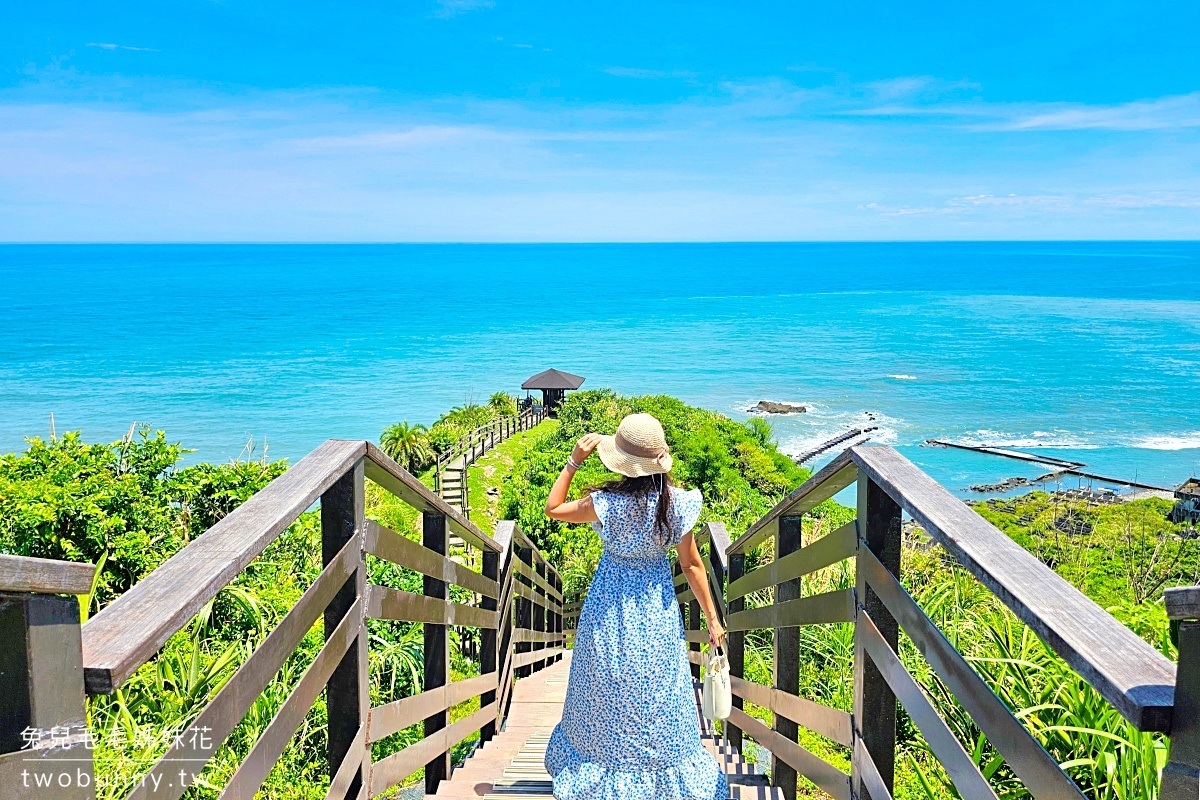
<point x="1087" y="351"/>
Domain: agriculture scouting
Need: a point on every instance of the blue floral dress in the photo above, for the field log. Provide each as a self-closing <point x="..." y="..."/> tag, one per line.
<point x="629" y="729"/>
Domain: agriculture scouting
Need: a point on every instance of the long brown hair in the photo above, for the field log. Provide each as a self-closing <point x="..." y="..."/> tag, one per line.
<point x="642" y="487"/>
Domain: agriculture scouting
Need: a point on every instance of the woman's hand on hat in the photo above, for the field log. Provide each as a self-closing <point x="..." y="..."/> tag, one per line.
<point x="585" y="447"/>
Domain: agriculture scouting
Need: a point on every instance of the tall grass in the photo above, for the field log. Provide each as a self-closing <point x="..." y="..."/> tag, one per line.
<point x="1098" y="748"/>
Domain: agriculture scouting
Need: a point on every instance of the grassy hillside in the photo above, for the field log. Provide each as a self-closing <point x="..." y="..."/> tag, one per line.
<point x="128" y="506"/>
<point x="1120" y="555"/>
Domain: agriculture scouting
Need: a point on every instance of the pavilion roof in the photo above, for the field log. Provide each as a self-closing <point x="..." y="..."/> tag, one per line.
<point x="553" y="379"/>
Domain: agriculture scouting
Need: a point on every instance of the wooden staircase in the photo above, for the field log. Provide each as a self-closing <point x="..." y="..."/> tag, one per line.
<point x="511" y="765"/>
<point x="453" y="486"/>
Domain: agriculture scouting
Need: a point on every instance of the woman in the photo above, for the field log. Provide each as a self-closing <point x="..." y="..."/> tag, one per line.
<point x="629" y="729"/>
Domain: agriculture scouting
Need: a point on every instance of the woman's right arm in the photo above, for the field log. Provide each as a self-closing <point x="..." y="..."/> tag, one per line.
<point x="557" y="506"/>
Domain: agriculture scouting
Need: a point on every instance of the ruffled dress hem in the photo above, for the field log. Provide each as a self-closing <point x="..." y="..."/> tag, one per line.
<point x="696" y="777"/>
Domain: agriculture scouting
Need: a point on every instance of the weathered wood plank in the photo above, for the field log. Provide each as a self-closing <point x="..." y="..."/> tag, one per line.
<point x="44" y="575"/>
<point x="718" y="536"/>
<point x="530" y="572"/>
<point x="866" y="771"/>
<point x="130" y="630"/>
<point x="436" y="647"/>
<point x="390" y="771"/>
<point x="525" y="659"/>
<point x="1038" y="771"/>
<point x="533" y="595"/>
<point x="347" y="698"/>
<point x="266" y="751"/>
<point x="735" y="645"/>
<point x="786" y="646"/>
<point x="229" y="706"/>
<point x="826" y="551"/>
<point x="387" y="544"/>
<point x="880" y="525"/>
<point x="831" y="723"/>
<point x="398" y="715"/>
<point x="831" y="479"/>
<point x="524" y="635"/>
<point x="384" y="602"/>
<point x="349" y="770"/>
<point x="1131" y="675"/>
<point x="826" y="776"/>
<point x="381" y="469"/>
<point x="826" y="608"/>
<point x="1183" y="602"/>
<point x="946" y="748"/>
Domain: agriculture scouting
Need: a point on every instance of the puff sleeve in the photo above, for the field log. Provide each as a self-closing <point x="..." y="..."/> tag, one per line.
<point x="601" y="503"/>
<point x="686" y="511"/>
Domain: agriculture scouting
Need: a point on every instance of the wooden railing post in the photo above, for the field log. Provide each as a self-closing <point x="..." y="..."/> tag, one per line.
<point x="524" y="609"/>
<point x="1181" y="776"/>
<point x="879" y="519"/>
<point x="558" y="617"/>
<point x="504" y="633"/>
<point x="693" y="624"/>
<point x="44" y="740"/>
<point x="348" y="699"/>
<point x="437" y="649"/>
<point x="735" y="642"/>
<point x="787" y="653"/>
<point x="540" y="613"/>
<point x="489" y="639"/>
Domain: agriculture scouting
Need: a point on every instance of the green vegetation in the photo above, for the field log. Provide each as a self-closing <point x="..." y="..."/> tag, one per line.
<point x="1120" y="555"/>
<point x="129" y="505"/>
<point x="487" y="476"/>
<point x="408" y="445"/>
<point x="740" y="475"/>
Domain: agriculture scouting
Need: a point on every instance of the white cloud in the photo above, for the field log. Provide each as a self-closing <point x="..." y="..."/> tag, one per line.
<point x="971" y="205"/>
<point x="1179" y="111"/>
<point x="114" y="46"/>
<point x="649" y="74"/>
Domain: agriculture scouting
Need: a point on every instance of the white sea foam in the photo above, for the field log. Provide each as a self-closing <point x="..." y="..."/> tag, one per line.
<point x="903" y="377"/>
<point x="1186" y="441"/>
<point x="821" y="424"/>
<point x="1046" y="439"/>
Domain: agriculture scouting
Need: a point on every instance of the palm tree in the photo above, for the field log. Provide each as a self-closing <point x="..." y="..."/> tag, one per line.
<point x="408" y="445"/>
<point x="504" y="404"/>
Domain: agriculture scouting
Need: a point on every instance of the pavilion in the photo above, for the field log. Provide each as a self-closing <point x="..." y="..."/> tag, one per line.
<point x="554" y="384"/>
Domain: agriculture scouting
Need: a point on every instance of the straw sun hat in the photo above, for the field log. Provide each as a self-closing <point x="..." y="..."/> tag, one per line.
<point x="639" y="448"/>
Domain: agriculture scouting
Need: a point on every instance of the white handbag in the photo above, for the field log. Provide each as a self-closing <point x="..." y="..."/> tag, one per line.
<point x="716" y="699"/>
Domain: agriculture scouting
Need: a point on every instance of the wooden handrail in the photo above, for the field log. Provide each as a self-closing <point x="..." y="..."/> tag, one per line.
<point x="131" y="629"/>
<point x="1131" y="675"/>
<point x="469" y="438"/>
<point x="44" y="575"/>
<point x="829" y="480"/>
<point x="381" y="469"/>
<point x="518" y="614"/>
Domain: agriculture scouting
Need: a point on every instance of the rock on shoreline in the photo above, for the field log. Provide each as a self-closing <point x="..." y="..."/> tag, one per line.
<point x="771" y="407"/>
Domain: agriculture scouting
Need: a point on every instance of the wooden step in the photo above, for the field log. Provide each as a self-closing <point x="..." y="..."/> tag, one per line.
<point x="511" y="766"/>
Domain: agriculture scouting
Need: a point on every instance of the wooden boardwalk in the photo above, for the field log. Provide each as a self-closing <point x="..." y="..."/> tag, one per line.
<point x="510" y="766"/>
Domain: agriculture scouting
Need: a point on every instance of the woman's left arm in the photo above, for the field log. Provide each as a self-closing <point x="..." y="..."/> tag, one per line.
<point x="693" y="569"/>
<point x="580" y="510"/>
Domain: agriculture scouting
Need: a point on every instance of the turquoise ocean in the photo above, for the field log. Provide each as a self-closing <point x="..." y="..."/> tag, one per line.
<point x="1088" y="351"/>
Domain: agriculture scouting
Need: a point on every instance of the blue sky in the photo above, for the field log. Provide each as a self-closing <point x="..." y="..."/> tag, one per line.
<point x="488" y="120"/>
